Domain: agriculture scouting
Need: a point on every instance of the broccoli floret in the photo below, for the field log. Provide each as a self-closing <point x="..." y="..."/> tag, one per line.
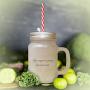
<point x="83" y="78"/>
<point x="27" y="79"/>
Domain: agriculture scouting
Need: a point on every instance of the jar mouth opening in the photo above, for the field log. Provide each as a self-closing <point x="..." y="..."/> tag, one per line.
<point x="43" y="35"/>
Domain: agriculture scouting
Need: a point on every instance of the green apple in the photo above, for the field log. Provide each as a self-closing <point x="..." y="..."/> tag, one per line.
<point x="60" y="83"/>
<point x="71" y="78"/>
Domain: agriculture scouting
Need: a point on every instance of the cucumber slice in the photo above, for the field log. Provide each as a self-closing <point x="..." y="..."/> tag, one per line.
<point x="7" y="75"/>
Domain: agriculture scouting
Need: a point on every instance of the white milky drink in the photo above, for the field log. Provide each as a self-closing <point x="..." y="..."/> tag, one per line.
<point x="43" y="54"/>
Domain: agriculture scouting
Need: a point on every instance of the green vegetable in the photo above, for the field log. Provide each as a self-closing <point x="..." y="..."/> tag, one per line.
<point x="27" y="79"/>
<point x="83" y="78"/>
<point x="7" y="75"/>
<point x="60" y="83"/>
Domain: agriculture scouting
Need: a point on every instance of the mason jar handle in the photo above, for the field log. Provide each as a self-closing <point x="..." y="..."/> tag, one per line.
<point x="64" y="70"/>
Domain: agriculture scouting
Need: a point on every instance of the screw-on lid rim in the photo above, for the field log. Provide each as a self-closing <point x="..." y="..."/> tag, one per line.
<point x="42" y="35"/>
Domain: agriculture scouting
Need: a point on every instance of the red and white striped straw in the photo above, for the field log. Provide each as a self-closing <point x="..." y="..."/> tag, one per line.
<point x="43" y="17"/>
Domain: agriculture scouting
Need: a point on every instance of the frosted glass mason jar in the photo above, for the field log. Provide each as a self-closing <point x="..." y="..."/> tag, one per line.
<point x="43" y="55"/>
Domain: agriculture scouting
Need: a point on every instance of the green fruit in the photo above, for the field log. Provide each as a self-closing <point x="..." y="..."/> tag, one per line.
<point x="7" y="75"/>
<point x="59" y="63"/>
<point x="60" y="83"/>
<point x="71" y="78"/>
<point x="26" y="63"/>
<point x="80" y="47"/>
<point x="70" y="70"/>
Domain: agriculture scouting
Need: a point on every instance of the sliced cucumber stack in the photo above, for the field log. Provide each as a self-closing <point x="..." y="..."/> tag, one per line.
<point x="7" y="75"/>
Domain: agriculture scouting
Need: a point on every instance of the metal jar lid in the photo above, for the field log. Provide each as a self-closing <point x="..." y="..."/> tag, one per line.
<point x="42" y="35"/>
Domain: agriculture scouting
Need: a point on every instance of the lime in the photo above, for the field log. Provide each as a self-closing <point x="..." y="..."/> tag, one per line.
<point x="60" y="83"/>
<point x="71" y="78"/>
<point x="26" y="63"/>
<point x="7" y="75"/>
<point x="59" y="63"/>
<point x="70" y="70"/>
